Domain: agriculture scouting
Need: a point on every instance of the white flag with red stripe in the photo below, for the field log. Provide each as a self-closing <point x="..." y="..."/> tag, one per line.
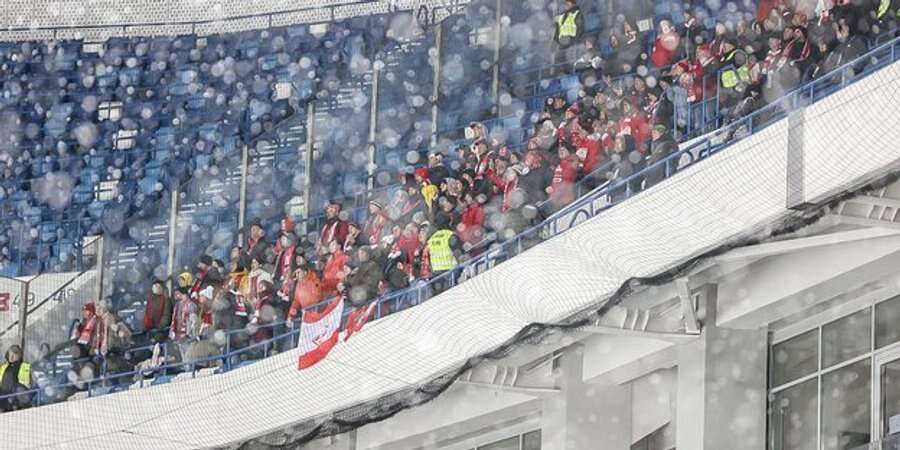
<point x="357" y="318"/>
<point x="319" y="332"/>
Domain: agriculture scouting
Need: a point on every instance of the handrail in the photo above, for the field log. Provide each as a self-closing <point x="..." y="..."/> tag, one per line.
<point x="159" y="369"/>
<point x="225" y="357"/>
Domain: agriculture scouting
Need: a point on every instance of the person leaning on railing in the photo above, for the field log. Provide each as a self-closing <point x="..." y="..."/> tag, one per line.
<point x="441" y="247"/>
<point x="363" y="280"/>
<point x="304" y="287"/>
<point x="15" y="377"/>
<point x="661" y="148"/>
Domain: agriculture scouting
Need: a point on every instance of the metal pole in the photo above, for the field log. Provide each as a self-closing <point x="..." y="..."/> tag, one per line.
<point x="242" y="205"/>
<point x="173" y="233"/>
<point x="373" y="127"/>
<point x="436" y="84"/>
<point x="310" y="151"/>
<point x="495" y="84"/>
<point x="101" y="269"/>
<point x="554" y="49"/>
<point x="23" y="312"/>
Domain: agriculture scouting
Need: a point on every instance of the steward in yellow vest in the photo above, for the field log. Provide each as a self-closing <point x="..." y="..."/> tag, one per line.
<point x="440" y="251"/>
<point x="736" y="77"/>
<point x="15" y="376"/>
<point x="569" y="24"/>
<point x="885" y="7"/>
<point x="441" y="245"/>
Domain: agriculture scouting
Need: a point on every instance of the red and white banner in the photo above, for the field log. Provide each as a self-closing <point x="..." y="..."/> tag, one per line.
<point x="4" y="301"/>
<point x="319" y="332"/>
<point x="357" y="318"/>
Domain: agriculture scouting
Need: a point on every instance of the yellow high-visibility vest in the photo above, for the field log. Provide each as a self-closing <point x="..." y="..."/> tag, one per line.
<point x="731" y="77"/>
<point x="883" y="8"/>
<point x="567" y="26"/>
<point x="24" y="374"/>
<point x="441" y="254"/>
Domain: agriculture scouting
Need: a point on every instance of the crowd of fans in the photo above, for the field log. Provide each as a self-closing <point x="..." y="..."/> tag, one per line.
<point x="448" y="211"/>
<point x="738" y="66"/>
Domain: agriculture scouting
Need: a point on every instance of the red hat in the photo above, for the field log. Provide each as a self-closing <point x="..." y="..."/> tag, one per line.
<point x="288" y="225"/>
<point x="422" y="172"/>
<point x="573" y="109"/>
<point x="684" y="65"/>
<point x="89" y="307"/>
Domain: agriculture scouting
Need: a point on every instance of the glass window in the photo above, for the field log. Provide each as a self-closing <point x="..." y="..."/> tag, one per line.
<point x="845" y="407"/>
<point x="795" y="358"/>
<point x="506" y="444"/>
<point x="890" y="400"/>
<point x="846" y="338"/>
<point x="792" y="418"/>
<point x="887" y="316"/>
<point x="532" y="440"/>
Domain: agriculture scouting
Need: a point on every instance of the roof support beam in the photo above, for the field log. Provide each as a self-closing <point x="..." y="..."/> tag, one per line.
<point x="533" y="390"/>
<point x="872" y="200"/>
<point x="656" y="335"/>
<point x="691" y="323"/>
<point x="877" y="229"/>
<point x="871" y="223"/>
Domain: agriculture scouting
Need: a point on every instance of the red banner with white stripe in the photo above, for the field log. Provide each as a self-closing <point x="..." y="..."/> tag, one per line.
<point x="357" y="318"/>
<point x="319" y="332"/>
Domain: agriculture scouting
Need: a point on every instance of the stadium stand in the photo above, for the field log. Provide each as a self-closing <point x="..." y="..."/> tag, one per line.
<point x="483" y="183"/>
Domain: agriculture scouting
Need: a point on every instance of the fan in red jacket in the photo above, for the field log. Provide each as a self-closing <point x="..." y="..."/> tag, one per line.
<point x="590" y="151"/>
<point x="562" y="188"/>
<point x="567" y="127"/>
<point x="666" y="44"/>
<point x="373" y="230"/>
<point x="471" y="226"/>
<point x="634" y="123"/>
<point x="334" y="230"/>
<point x="706" y="72"/>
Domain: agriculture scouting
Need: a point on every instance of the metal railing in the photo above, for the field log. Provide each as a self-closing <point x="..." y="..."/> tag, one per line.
<point x="102" y="381"/>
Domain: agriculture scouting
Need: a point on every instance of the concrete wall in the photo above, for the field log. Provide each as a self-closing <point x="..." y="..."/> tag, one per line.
<point x="653" y="400"/>
<point x="722" y="387"/>
<point x="585" y="416"/>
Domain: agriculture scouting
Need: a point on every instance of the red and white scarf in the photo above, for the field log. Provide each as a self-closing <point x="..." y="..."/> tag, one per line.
<point x="285" y="259"/>
<point x="182" y="318"/>
<point x="84" y="335"/>
<point x="198" y="286"/>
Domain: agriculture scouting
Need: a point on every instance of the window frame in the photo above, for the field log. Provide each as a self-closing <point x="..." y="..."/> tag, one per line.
<point x="818" y="322"/>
